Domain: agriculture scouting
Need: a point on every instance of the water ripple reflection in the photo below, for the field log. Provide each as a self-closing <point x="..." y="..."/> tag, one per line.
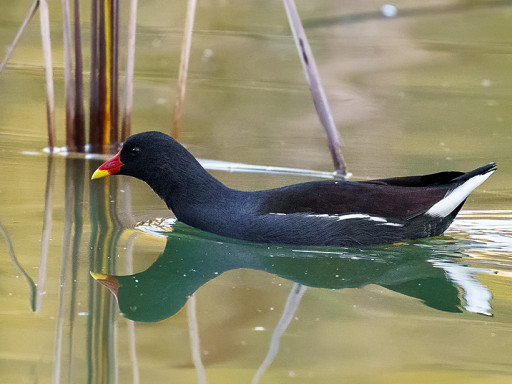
<point x="444" y="273"/>
<point x="486" y="237"/>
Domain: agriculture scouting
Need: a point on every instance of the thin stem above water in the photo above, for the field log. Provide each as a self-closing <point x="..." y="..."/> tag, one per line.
<point x="10" y="48"/>
<point x="184" y="60"/>
<point x="47" y="53"/>
<point x="317" y="91"/>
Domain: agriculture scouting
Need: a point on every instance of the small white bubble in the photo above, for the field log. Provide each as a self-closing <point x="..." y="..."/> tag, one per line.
<point x="207" y="54"/>
<point x="389" y="10"/>
<point x="259" y="328"/>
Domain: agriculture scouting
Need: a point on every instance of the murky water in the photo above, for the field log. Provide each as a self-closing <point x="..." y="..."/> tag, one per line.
<point x="426" y="91"/>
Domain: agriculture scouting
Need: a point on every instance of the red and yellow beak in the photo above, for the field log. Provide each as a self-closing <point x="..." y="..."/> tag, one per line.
<point x="108" y="167"/>
<point x="111" y="282"/>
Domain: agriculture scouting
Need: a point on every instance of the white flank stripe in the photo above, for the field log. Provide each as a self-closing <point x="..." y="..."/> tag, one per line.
<point x="451" y="201"/>
<point x="353" y="216"/>
<point x="379" y="219"/>
<point x="393" y="224"/>
<point x="349" y="216"/>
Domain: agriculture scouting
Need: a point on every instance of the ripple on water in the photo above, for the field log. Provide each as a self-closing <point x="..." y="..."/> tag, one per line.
<point x="486" y="236"/>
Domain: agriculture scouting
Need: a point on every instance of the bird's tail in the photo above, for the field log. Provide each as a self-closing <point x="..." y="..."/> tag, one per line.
<point x="465" y="184"/>
<point x="491" y="167"/>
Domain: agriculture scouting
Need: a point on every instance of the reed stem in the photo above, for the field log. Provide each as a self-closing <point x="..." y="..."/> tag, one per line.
<point x="69" y="86"/>
<point x="79" y="86"/>
<point x="104" y="128"/>
<point x="10" y="48"/>
<point x="47" y="53"/>
<point x="114" y="73"/>
<point x="129" y="73"/>
<point x="106" y="68"/>
<point x="317" y="91"/>
<point x="94" y="121"/>
<point x="184" y="60"/>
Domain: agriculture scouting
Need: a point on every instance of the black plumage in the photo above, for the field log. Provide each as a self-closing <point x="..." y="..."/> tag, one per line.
<point x="331" y="212"/>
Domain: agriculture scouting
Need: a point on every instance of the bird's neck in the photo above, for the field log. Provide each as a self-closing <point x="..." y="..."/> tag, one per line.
<point x="191" y="192"/>
<point x="205" y="204"/>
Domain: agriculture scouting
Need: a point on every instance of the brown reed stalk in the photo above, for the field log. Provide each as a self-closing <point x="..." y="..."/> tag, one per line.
<point x="10" y="48"/>
<point x="317" y="91"/>
<point x="69" y="86"/>
<point x="79" y="94"/>
<point x="184" y="60"/>
<point x="47" y="53"/>
<point x="114" y="73"/>
<point x="129" y="73"/>
<point x="104" y="127"/>
<point x="94" y="115"/>
<point x="105" y="68"/>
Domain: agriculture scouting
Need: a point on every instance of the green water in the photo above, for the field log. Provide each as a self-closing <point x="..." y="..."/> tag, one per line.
<point x="429" y="90"/>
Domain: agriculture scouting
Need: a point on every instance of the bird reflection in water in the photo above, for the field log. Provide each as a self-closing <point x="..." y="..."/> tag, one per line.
<point x="430" y="270"/>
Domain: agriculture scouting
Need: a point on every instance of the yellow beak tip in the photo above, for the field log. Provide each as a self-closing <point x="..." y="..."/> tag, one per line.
<point x="99" y="173"/>
<point x="98" y="276"/>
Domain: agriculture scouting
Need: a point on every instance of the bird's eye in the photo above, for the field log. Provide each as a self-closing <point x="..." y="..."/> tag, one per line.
<point x="135" y="150"/>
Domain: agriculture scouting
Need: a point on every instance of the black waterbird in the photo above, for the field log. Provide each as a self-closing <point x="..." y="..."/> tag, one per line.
<point x="328" y="212"/>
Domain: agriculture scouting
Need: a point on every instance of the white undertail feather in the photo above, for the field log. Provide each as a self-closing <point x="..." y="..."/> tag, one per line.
<point x="453" y="199"/>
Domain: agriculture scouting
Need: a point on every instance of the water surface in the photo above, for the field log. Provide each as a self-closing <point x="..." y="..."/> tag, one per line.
<point x="429" y="90"/>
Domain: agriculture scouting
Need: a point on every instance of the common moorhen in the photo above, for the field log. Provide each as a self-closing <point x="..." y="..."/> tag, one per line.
<point x="329" y="212"/>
